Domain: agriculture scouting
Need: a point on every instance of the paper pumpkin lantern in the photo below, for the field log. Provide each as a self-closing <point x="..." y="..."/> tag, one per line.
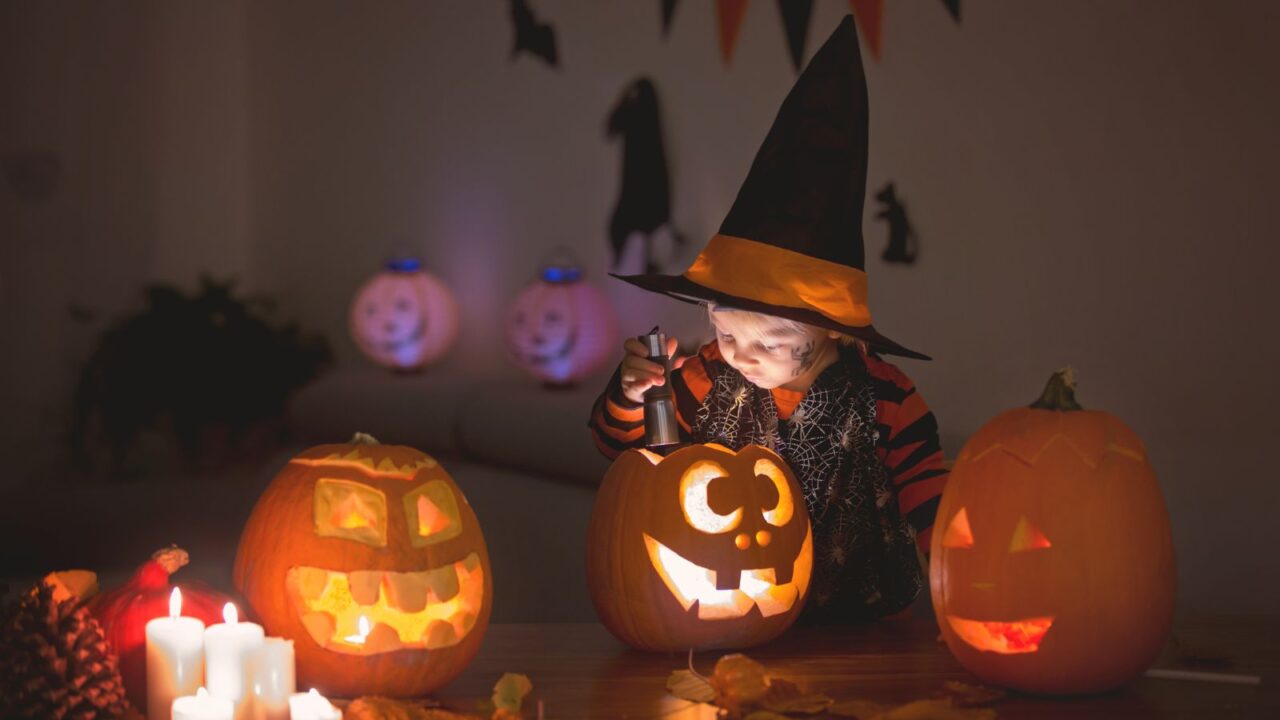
<point x="706" y="548"/>
<point x="1052" y="560"/>
<point x="369" y="558"/>
<point x="404" y="318"/>
<point x="561" y="327"/>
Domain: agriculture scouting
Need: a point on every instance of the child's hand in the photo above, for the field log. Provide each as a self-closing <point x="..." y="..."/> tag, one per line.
<point x="639" y="373"/>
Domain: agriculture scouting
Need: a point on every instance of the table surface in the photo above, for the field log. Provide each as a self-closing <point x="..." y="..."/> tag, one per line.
<point x="581" y="671"/>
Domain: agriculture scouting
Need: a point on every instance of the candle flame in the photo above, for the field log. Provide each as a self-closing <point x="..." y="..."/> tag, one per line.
<point x="175" y="602"/>
<point x="362" y="633"/>
<point x="229" y="614"/>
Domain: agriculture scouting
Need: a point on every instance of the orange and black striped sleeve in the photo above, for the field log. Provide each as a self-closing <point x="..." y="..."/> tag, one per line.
<point x="909" y="447"/>
<point x="617" y="424"/>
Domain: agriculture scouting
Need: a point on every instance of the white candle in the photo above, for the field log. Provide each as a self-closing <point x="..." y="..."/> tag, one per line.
<point x="312" y="706"/>
<point x="228" y="648"/>
<point x="175" y="658"/>
<point x="202" y="706"/>
<point x="273" y="679"/>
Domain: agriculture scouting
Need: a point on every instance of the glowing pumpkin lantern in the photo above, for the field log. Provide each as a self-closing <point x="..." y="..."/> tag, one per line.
<point x="1052" y="560"/>
<point x="404" y="318"/>
<point x="561" y="328"/>
<point x="369" y="558"/>
<point x="706" y="548"/>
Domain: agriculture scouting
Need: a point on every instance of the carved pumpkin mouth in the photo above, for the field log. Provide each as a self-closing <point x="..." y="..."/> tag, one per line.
<point x="565" y="349"/>
<point x="691" y="583"/>
<point x="404" y="610"/>
<point x="1004" y="638"/>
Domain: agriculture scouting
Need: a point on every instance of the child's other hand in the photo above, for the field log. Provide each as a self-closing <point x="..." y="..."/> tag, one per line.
<point x="639" y="373"/>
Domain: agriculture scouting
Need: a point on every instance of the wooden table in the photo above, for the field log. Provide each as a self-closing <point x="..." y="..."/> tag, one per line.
<point x="580" y="671"/>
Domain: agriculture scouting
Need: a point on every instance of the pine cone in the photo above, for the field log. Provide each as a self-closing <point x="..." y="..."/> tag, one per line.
<point x="55" y="663"/>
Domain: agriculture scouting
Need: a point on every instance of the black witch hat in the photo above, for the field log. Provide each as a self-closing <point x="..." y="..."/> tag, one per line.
<point x="791" y="245"/>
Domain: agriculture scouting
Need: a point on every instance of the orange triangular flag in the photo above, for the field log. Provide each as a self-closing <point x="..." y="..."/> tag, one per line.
<point x="870" y="15"/>
<point x="729" y="13"/>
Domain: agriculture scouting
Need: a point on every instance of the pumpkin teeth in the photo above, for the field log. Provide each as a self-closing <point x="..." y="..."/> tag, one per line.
<point x="692" y="584"/>
<point x="1003" y="638"/>
<point x="364" y="586"/>
<point x="425" y="609"/>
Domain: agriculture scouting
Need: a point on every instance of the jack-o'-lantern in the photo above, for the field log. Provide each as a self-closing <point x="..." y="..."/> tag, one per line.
<point x="404" y="318"/>
<point x="706" y="548"/>
<point x="369" y="558"/>
<point x="1052" y="561"/>
<point x="561" y="328"/>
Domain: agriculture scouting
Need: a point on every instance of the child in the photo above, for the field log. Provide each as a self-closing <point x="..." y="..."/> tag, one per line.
<point x="796" y="363"/>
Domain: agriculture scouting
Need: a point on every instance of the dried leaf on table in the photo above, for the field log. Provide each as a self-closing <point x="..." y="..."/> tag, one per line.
<point x="965" y="695"/>
<point x="510" y="691"/>
<point x="739" y="681"/>
<point x="380" y="708"/>
<point x="687" y="685"/>
<point x="858" y="709"/>
<point x="786" y="697"/>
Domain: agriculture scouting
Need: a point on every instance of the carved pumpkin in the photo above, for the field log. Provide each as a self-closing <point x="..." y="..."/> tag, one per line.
<point x="561" y="328"/>
<point x="369" y="558"/>
<point x="706" y="548"/>
<point x="404" y="318"/>
<point x="1052" y="561"/>
<point x="123" y="613"/>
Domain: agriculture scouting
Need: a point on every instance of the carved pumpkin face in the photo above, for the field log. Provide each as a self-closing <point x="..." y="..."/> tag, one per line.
<point x="371" y="560"/>
<point x="1052" y="562"/>
<point x="705" y="548"/>
<point x="562" y="328"/>
<point x="404" y="318"/>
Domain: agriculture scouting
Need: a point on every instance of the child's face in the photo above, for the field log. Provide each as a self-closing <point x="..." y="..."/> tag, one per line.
<point x="771" y="355"/>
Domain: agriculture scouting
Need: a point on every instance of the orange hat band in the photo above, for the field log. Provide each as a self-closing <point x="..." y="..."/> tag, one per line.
<point x="777" y="276"/>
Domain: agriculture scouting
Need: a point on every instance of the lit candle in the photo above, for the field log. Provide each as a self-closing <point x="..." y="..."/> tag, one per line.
<point x="273" y="679"/>
<point x="202" y="706"/>
<point x="228" y="649"/>
<point x="312" y="706"/>
<point x="175" y="658"/>
<point x="362" y="632"/>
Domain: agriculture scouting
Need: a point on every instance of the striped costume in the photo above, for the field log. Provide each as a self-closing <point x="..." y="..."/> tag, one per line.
<point x="863" y="445"/>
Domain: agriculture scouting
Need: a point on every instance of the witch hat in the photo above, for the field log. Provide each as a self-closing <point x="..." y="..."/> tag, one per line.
<point x="791" y="245"/>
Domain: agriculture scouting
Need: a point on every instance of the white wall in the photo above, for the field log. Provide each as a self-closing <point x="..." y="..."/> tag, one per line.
<point x="1090" y="182"/>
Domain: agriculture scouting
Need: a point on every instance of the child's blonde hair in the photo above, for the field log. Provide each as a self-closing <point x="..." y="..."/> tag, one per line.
<point x="760" y="324"/>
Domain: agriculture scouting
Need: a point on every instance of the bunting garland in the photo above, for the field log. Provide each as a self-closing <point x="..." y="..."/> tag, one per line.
<point x="668" y="12"/>
<point x="795" y="19"/>
<point x="729" y="16"/>
<point x="953" y="7"/>
<point x="870" y="15"/>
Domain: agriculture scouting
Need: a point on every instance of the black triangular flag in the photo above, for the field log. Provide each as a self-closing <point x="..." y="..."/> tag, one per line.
<point x="668" y="11"/>
<point x="953" y="7"/>
<point x="795" y="18"/>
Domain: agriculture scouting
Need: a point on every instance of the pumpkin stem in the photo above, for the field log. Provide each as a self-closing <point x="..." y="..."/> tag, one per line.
<point x="171" y="558"/>
<point x="164" y="562"/>
<point x="363" y="439"/>
<point x="1060" y="392"/>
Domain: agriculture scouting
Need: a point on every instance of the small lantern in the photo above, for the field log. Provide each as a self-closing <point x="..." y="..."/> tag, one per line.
<point x="561" y="328"/>
<point x="404" y="318"/>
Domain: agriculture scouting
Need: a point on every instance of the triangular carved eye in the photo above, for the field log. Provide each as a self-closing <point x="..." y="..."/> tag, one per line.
<point x="958" y="533"/>
<point x="1027" y="537"/>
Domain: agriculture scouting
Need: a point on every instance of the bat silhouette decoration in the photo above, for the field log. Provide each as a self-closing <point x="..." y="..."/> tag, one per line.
<point x="536" y="38"/>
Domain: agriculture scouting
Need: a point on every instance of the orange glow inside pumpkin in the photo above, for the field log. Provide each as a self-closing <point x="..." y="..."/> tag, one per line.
<point x="432" y="514"/>
<point x="958" y="533"/>
<point x="1004" y="638"/>
<point x="350" y="510"/>
<point x="691" y="583"/>
<point x="1027" y="537"/>
<point x="427" y="609"/>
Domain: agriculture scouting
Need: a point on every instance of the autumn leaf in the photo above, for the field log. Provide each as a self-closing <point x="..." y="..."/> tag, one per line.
<point x="858" y="709"/>
<point x="785" y="697"/>
<point x="739" y="681"/>
<point x="510" y="691"/>
<point x="966" y="695"/>
<point x="687" y="685"/>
